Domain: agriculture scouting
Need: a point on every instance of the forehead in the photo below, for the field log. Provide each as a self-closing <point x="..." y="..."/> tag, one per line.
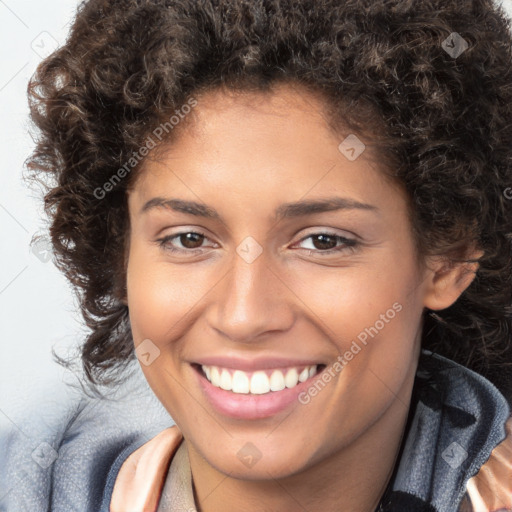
<point x="285" y="115"/>
<point x="300" y="111"/>
<point x="252" y="144"/>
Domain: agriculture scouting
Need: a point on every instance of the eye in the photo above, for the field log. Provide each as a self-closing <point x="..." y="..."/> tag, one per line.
<point x="327" y="243"/>
<point x="190" y="241"/>
<point x="320" y="243"/>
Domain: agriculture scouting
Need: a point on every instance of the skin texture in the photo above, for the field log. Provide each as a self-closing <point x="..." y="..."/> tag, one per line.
<point x="245" y="155"/>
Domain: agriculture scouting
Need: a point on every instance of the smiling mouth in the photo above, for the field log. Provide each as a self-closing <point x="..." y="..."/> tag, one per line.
<point x="258" y="382"/>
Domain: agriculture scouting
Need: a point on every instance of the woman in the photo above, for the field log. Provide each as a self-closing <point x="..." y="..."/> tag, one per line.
<point x="296" y="216"/>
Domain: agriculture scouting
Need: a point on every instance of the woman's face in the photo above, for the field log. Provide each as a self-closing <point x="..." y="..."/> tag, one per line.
<point x="262" y="283"/>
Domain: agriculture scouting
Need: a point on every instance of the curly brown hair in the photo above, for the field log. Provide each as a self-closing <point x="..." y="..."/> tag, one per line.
<point x="444" y="133"/>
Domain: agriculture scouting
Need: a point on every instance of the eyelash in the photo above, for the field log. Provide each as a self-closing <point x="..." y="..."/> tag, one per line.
<point x="350" y="244"/>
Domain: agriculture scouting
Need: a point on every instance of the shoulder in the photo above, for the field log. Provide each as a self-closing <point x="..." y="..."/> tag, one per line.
<point x="63" y="464"/>
<point x="138" y="475"/>
<point x="105" y="432"/>
<point x="491" y="488"/>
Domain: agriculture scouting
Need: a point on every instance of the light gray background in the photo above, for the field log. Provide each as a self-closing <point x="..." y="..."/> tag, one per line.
<point x="38" y="310"/>
<point x="37" y="307"/>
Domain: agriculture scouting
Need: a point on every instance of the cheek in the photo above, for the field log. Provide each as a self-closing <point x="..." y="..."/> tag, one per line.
<point x="371" y="313"/>
<point x="347" y="300"/>
<point x="160" y="295"/>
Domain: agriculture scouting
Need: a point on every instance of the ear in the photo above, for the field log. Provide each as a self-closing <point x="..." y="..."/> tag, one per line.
<point x="446" y="281"/>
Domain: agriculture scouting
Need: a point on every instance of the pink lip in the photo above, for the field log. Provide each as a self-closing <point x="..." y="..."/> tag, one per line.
<point x="253" y="364"/>
<point x="248" y="406"/>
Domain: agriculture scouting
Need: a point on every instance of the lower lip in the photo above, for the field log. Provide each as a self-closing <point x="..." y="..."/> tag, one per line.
<point x="248" y="406"/>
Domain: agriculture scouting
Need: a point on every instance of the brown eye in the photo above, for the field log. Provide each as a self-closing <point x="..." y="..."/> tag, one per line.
<point x="328" y="244"/>
<point x="186" y="241"/>
<point x="191" y="240"/>
<point x="324" y="241"/>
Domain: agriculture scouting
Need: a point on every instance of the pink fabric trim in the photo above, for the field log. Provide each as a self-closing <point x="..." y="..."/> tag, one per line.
<point x="141" y="478"/>
<point x="490" y="489"/>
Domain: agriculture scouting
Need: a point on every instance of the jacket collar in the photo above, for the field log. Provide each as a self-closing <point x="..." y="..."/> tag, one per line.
<point x="455" y="420"/>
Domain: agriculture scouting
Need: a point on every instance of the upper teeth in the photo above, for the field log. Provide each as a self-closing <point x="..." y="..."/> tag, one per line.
<point x="257" y="382"/>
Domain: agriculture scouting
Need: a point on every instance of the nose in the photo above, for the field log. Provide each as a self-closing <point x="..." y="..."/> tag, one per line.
<point x="250" y="301"/>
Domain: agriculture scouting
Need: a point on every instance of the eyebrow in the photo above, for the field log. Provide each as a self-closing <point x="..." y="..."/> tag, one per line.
<point x="286" y="210"/>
